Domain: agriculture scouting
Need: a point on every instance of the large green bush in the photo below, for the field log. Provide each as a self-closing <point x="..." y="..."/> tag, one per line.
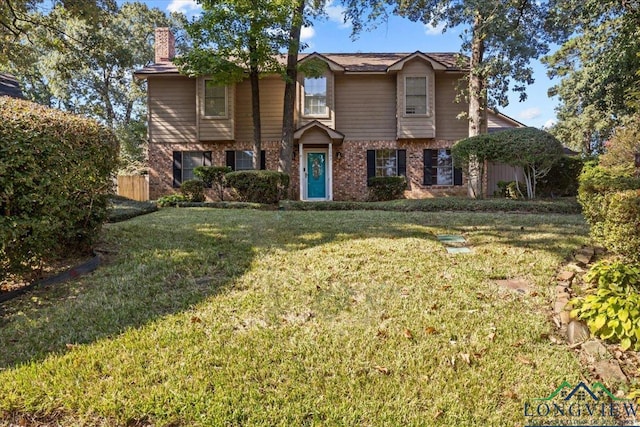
<point x="597" y="186"/>
<point x="55" y="179"/>
<point x="258" y="186"/>
<point x="562" y="179"/>
<point x="621" y="227"/>
<point x="384" y="188"/>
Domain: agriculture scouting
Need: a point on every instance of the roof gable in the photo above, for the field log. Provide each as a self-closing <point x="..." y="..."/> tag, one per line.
<point x="333" y="134"/>
<point x="9" y="86"/>
<point x="397" y="66"/>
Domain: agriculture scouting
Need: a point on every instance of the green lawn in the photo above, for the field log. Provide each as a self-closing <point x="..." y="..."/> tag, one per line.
<point x="210" y="317"/>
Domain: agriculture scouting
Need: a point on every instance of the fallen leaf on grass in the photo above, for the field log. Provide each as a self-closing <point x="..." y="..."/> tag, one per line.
<point x="492" y="336"/>
<point x="430" y="330"/>
<point x="525" y="360"/>
<point x="71" y="346"/>
<point x="381" y="333"/>
<point x="407" y="334"/>
<point x="383" y="370"/>
<point x="466" y="358"/>
<point x="510" y="394"/>
<point x="438" y="414"/>
<point x="196" y="319"/>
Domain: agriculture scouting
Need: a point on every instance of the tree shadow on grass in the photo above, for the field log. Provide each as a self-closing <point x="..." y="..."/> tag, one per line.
<point x="169" y="261"/>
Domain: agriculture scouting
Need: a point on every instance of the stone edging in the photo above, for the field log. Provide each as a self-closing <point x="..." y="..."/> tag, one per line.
<point x="79" y="270"/>
<point x="602" y="362"/>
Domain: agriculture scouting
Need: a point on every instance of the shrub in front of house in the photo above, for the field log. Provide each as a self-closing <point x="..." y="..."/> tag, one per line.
<point x="384" y="188"/>
<point x="213" y="177"/>
<point x="258" y="186"/>
<point x="563" y="178"/>
<point x="597" y="186"/>
<point x="56" y="174"/>
<point x="511" y="189"/>
<point x="171" y="200"/>
<point x="621" y="227"/>
<point x="193" y="190"/>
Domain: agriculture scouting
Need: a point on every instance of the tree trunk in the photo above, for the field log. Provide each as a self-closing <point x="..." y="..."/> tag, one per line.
<point x="254" y="77"/>
<point x="477" y="104"/>
<point x="288" y="119"/>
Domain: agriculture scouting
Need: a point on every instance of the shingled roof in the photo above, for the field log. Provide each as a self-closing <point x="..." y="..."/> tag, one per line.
<point x="9" y="86"/>
<point x="350" y="62"/>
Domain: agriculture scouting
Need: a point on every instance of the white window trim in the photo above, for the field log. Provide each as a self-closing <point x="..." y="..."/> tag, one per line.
<point x="203" y="102"/>
<point x="327" y="113"/>
<point x="395" y="150"/>
<point x="404" y="101"/>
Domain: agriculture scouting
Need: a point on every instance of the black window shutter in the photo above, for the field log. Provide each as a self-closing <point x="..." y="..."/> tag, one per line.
<point x="371" y="164"/>
<point x="206" y="158"/>
<point x="402" y="163"/>
<point x="177" y="169"/>
<point x="457" y="176"/>
<point x="263" y="160"/>
<point x="427" y="155"/>
<point x="231" y="160"/>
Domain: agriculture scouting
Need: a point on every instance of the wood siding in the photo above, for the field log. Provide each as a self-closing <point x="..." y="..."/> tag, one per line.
<point x="271" y="109"/>
<point x="448" y="126"/>
<point x="497" y="172"/>
<point x="330" y="119"/>
<point x="216" y="129"/>
<point x="172" y="110"/>
<point x="315" y="136"/>
<point x="366" y="106"/>
<point x="495" y="122"/>
<point x="422" y="126"/>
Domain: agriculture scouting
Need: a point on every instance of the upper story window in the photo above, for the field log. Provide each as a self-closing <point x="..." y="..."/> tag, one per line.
<point x="415" y="96"/>
<point x="215" y="99"/>
<point x="315" y="96"/>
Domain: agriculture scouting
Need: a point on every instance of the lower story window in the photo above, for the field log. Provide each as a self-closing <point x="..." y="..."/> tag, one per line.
<point x="386" y="162"/>
<point x="438" y="168"/>
<point x="185" y="162"/>
<point x="240" y="160"/>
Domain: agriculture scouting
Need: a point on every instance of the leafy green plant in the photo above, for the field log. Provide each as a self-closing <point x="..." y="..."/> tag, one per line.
<point x="258" y="186"/>
<point x="213" y="177"/>
<point x="171" y="200"/>
<point x="193" y="190"/>
<point x="562" y="179"/>
<point x="621" y="228"/>
<point x="612" y="308"/>
<point x="384" y="188"/>
<point x="55" y="180"/>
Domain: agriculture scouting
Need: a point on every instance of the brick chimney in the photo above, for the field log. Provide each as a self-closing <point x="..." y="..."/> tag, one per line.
<point x="165" y="45"/>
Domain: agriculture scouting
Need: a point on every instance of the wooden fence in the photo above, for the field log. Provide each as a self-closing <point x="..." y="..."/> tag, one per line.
<point x="135" y="187"/>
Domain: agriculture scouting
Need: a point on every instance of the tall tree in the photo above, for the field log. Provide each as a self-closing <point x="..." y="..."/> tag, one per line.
<point x="598" y="67"/>
<point x="291" y="78"/>
<point x="234" y="37"/>
<point x="85" y="66"/>
<point x="500" y="37"/>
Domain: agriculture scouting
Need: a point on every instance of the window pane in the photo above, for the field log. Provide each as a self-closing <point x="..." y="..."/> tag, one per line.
<point x="190" y="161"/>
<point x="315" y="96"/>
<point x="244" y="160"/>
<point x="443" y="166"/>
<point x="215" y="103"/>
<point x="386" y="163"/>
<point x="415" y="95"/>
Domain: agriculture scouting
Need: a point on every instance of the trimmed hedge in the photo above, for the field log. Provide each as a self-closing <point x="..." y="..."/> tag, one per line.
<point x="597" y="185"/>
<point x="563" y="178"/>
<point x="258" y="186"/>
<point x="55" y="179"/>
<point x="193" y="190"/>
<point x="385" y="188"/>
<point x="213" y="177"/>
<point x="621" y="228"/>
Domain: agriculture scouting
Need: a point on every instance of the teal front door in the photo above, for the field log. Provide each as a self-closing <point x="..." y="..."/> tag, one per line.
<point x="316" y="175"/>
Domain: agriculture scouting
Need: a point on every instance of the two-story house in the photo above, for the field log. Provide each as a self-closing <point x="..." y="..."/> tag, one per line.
<point x="370" y="114"/>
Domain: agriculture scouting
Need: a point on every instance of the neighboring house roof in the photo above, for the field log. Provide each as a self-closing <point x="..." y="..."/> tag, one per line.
<point x="9" y="86"/>
<point x="349" y="62"/>
<point x="511" y="120"/>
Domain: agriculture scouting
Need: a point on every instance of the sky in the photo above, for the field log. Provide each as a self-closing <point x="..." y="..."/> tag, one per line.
<point x="333" y="35"/>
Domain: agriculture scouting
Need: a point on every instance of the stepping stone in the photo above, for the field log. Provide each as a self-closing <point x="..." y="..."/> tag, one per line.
<point x="458" y="250"/>
<point x="610" y="372"/>
<point x="450" y="238"/>
<point x="518" y="285"/>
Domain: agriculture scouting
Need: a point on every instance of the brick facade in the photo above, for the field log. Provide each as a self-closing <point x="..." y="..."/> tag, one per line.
<point x="349" y="171"/>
